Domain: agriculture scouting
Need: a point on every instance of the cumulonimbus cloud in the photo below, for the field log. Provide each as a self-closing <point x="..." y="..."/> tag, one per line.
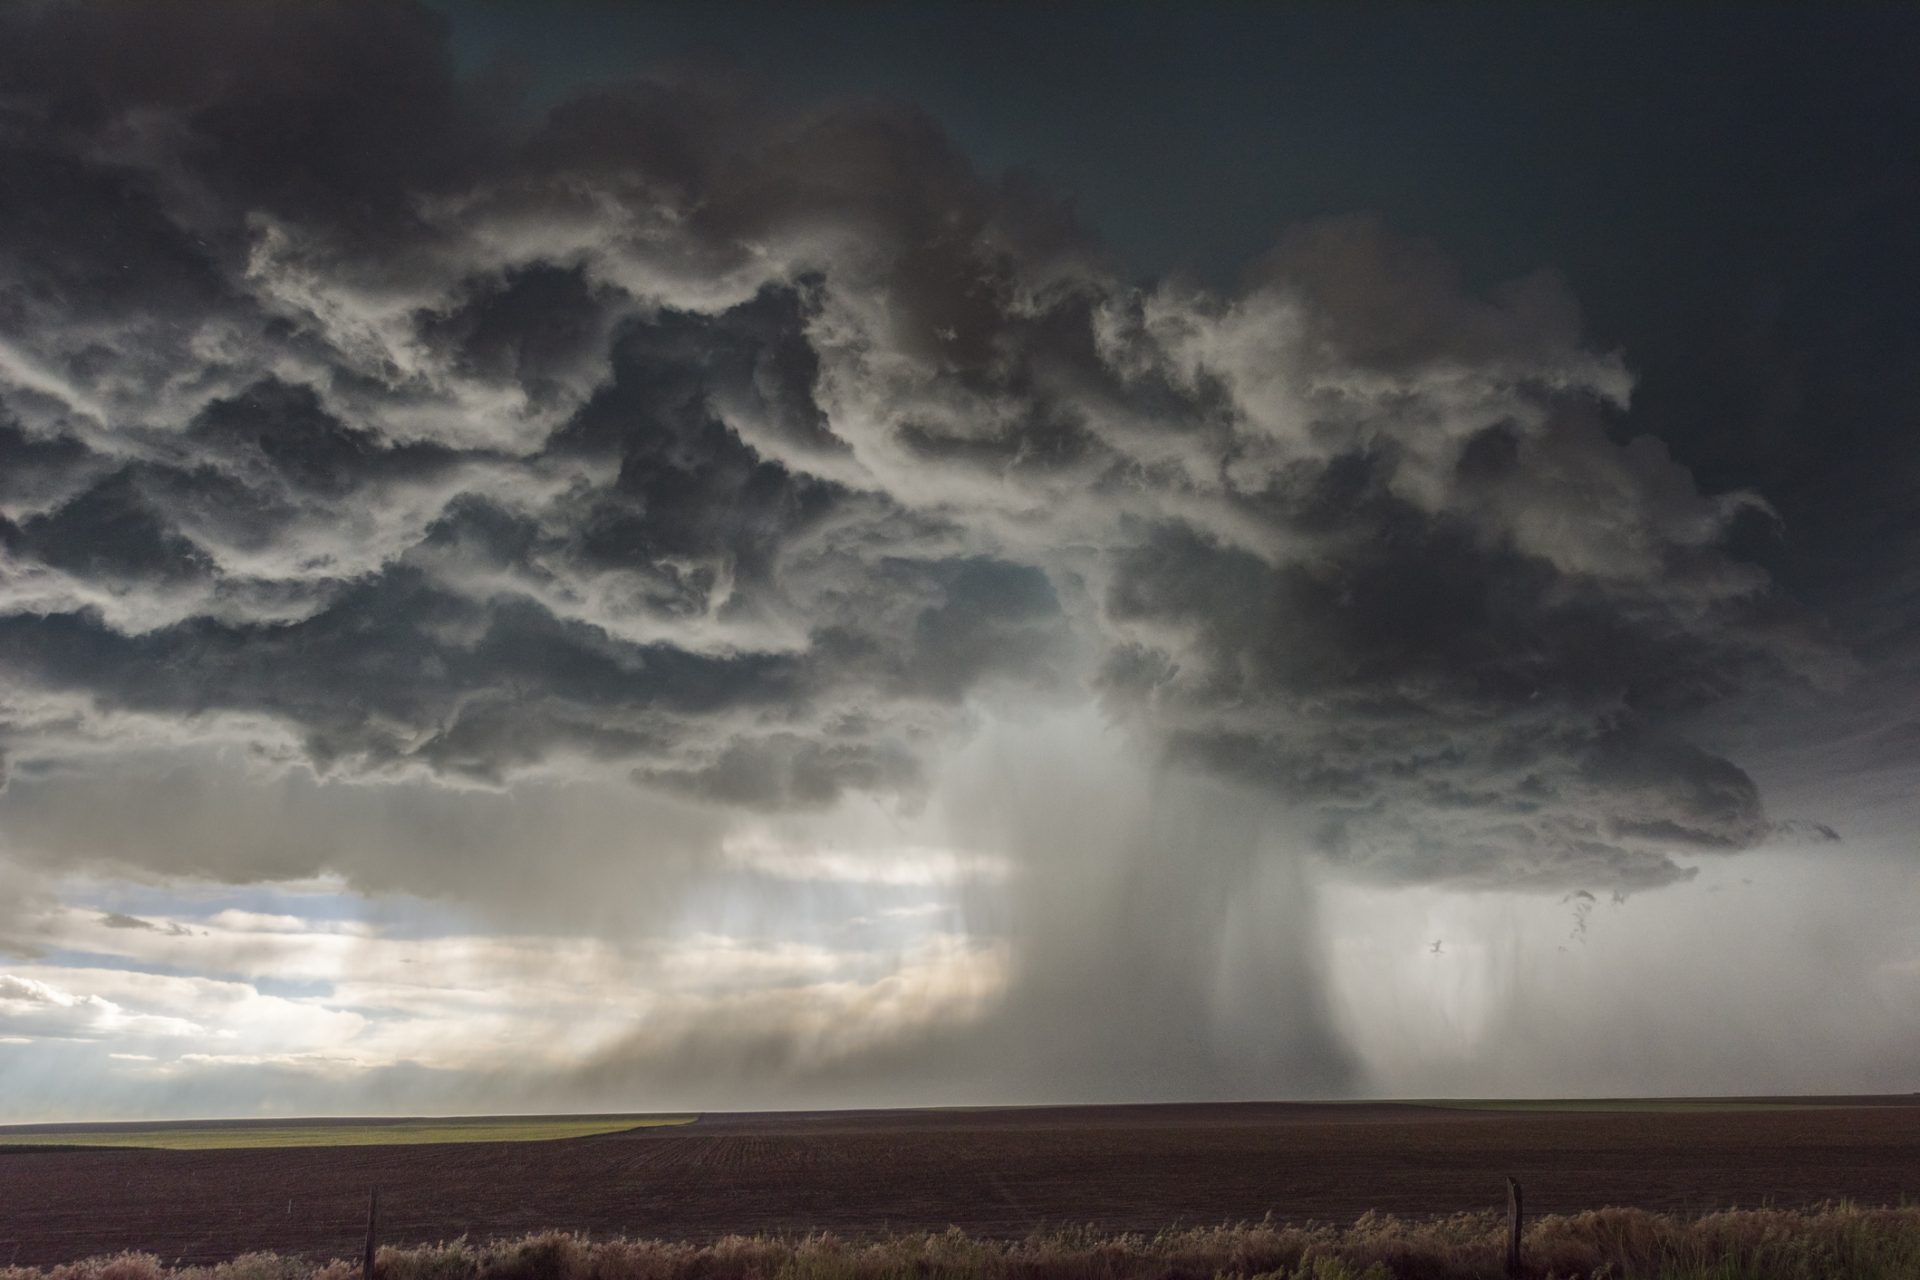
<point x="392" y="429"/>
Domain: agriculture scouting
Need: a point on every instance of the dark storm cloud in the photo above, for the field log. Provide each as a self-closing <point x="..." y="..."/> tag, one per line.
<point x="351" y="414"/>
<point x="121" y="920"/>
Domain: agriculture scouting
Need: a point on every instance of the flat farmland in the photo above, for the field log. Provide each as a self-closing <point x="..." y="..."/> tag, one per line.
<point x="202" y="1136"/>
<point x="996" y="1172"/>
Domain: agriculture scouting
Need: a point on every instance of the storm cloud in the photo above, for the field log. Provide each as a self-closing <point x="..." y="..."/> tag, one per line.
<point x="352" y="412"/>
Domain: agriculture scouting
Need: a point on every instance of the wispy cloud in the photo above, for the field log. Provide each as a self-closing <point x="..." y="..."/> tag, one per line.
<point x="900" y="865"/>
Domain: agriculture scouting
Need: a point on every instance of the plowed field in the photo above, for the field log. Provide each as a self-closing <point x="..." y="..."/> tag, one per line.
<point x="993" y="1172"/>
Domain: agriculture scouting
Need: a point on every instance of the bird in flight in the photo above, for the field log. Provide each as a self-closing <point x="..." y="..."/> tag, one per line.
<point x="1436" y="946"/>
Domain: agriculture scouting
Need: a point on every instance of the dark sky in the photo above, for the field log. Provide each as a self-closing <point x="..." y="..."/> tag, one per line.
<point x="1728" y="189"/>
<point x="796" y="554"/>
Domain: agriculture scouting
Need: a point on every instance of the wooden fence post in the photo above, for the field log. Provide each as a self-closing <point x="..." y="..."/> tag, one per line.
<point x="1513" y="1230"/>
<point x="373" y="1212"/>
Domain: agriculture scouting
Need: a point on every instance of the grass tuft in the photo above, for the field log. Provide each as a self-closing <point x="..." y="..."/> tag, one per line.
<point x="1839" y="1240"/>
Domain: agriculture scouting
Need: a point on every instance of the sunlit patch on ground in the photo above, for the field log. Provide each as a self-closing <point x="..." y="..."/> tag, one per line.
<point x="332" y="1133"/>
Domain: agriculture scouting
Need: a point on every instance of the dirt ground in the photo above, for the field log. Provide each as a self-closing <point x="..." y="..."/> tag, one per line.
<point x="995" y="1172"/>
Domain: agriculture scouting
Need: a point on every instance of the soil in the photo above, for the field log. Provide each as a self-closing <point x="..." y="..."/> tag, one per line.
<point x="999" y="1172"/>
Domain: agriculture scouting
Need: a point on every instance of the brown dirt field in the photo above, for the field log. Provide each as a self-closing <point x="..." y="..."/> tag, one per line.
<point x="993" y="1172"/>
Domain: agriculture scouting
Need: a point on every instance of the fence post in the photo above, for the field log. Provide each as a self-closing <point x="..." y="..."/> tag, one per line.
<point x="1513" y="1230"/>
<point x="373" y="1213"/>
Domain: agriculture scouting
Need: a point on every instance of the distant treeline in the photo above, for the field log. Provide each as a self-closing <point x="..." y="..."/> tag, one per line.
<point x="1617" y="1244"/>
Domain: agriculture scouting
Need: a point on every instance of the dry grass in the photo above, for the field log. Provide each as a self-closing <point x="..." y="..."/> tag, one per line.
<point x="1617" y="1244"/>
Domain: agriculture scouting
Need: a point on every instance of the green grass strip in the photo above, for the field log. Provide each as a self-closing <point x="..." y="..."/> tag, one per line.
<point x="370" y="1133"/>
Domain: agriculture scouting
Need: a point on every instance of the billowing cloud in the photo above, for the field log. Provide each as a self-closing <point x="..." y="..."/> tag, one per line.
<point x="352" y="416"/>
<point x="34" y="1008"/>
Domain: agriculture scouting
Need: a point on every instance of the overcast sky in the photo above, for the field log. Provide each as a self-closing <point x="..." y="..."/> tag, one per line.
<point x="706" y="557"/>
